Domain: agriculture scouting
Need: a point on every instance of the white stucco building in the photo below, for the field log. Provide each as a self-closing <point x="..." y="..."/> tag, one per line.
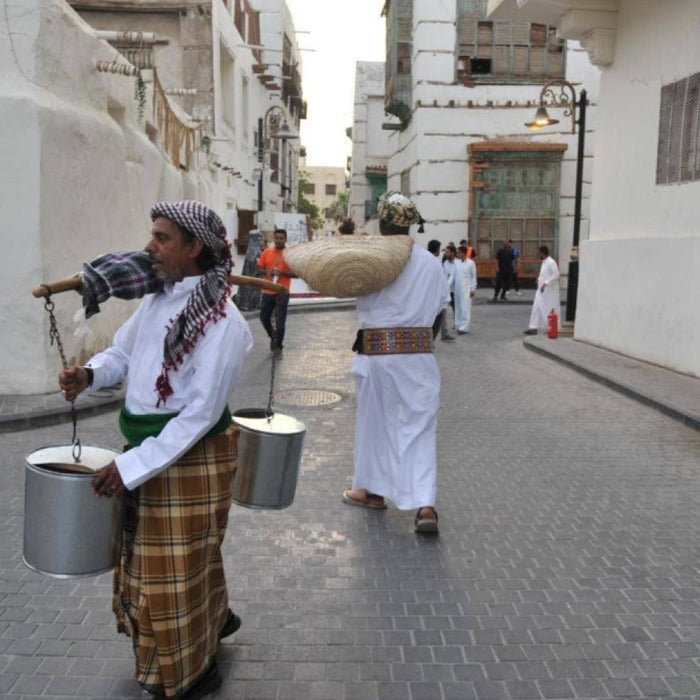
<point x="639" y="261"/>
<point x="325" y="184"/>
<point x="461" y="87"/>
<point x="370" y="146"/>
<point x="87" y="148"/>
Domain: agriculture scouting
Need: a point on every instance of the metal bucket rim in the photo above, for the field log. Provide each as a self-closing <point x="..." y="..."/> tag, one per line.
<point x="53" y="574"/>
<point x="59" y="475"/>
<point x="264" y="413"/>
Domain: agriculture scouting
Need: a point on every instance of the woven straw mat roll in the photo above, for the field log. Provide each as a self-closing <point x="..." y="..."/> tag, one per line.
<point x="350" y="266"/>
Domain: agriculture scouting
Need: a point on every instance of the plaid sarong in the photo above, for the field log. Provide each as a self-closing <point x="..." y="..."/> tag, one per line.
<point x="170" y="592"/>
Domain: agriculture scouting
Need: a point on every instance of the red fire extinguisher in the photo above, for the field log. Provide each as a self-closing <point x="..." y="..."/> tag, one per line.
<point x="552" y="324"/>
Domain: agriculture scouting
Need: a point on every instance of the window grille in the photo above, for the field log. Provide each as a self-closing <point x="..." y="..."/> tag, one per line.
<point x="678" y="151"/>
<point x="505" y="52"/>
<point x="399" y="30"/>
<point x="330" y="189"/>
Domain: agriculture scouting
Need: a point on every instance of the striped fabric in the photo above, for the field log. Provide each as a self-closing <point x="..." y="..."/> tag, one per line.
<point x="395" y="341"/>
<point x="121" y="275"/>
<point x="207" y="302"/>
<point x="170" y="592"/>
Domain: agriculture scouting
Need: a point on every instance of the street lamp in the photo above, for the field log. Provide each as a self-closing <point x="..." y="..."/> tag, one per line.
<point x="278" y="129"/>
<point x="549" y="96"/>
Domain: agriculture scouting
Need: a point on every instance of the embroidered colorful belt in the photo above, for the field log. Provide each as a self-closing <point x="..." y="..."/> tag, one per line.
<point x="393" y="341"/>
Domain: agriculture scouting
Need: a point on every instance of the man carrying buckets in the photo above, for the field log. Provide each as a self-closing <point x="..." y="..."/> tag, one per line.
<point x="181" y="354"/>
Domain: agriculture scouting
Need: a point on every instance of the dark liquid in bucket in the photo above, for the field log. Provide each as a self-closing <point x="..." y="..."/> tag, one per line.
<point x="254" y="413"/>
<point x="65" y="468"/>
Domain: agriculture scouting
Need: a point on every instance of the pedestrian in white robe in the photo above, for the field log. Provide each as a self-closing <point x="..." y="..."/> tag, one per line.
<point x="465" y="289"/>
<point x="547" y="294"/>
<point x="398" y="395"/>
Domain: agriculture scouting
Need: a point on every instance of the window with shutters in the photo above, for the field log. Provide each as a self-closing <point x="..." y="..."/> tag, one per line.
<point x="399" y="29"/>
<point x="514" y="195"/>
<point x="678" y="151"/>
<point x="493" y="52"/>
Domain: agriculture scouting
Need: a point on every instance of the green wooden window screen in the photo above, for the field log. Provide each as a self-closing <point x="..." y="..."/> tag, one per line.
<point x="517" y="200"/>
<point x="399" y="35"/>
<point x="505" y="52"/>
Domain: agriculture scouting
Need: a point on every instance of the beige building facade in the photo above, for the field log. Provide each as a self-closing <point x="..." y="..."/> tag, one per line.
<point x="325" y="184"/>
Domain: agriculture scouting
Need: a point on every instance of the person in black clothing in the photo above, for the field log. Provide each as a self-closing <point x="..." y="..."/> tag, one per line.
<point x="504" y="276"/>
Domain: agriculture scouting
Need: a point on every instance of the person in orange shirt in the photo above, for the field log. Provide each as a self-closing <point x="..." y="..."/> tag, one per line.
<point x="272" y="263"/>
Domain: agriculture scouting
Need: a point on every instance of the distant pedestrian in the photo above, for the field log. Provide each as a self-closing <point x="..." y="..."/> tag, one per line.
<point x="398" y="381"/>
<point x="448" y="265"/>
<point x="465" y="289"/>
<point x="504" y="275"/>
<point x="516" y="266"/>
<point x="547" y="294"/>
<point x="272" y="263"/>
<point x="442" y="323"/>
<point x="469" y="249"/>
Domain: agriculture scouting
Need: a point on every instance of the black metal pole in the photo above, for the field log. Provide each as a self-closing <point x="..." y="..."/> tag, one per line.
<point x="572" y="287"/>
<point x="261" y="160"/>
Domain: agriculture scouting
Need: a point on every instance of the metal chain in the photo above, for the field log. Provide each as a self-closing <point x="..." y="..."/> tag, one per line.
<point x="275" y="326"/>
<point x="55" y="335"/>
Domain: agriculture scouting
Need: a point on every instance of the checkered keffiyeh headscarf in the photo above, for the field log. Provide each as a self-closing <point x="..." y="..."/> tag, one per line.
<point x="207" y="301"/>
<point x="129" y="276"/>
<point x="398" y="210"/>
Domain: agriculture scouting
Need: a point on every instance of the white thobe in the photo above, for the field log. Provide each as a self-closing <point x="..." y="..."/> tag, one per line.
<point x="398" y="396"/>
<point x="465" y="284"/>
<point x="201" y="385"/>
<point x="549" y="299"/>
<point x="448" y="267"/>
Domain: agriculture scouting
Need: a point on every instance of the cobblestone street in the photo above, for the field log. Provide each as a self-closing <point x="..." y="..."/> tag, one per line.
<point x="566" y="566"/>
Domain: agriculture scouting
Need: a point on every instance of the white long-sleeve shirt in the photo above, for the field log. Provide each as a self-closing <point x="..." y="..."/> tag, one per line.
<point x="201" y="385"/>
<point x="448" y="267"/>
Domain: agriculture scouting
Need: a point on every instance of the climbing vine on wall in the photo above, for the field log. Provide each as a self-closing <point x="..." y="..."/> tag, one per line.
<point x="140" y="96"/>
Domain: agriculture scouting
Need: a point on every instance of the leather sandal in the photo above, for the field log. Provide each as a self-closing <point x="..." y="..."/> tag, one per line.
<point x="427" y="525"/>
<point x="371" y="500"/>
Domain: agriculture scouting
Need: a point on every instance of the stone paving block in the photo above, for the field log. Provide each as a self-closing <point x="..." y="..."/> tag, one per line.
<point x="458" y="691"/>
<point x="95" y="687"/>
<point x="389" y="691"/>
<point x="620" y="687"/>
<point x="652" y="687"/>
<point x="491" y="690"/>
<point x="361" y="691"/>
<point x="555" y="688"/>
<point x="588" y="688"/>
<point x="63" y="685"/>
<point x="523" y="689"/>
<point x="261" y="690"/>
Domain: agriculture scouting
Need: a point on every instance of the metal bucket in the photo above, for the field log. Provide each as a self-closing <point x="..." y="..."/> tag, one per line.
<point x="68" y="531"/>
<point x="269" y="453"/>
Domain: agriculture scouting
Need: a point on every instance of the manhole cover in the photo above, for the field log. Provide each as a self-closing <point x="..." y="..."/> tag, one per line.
<point x="307" y="397"/>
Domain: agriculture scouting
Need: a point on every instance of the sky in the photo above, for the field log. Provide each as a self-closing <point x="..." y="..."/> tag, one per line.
<point x="342" y="32"/>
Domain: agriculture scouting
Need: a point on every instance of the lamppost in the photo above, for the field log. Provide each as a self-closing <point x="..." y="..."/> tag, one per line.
<point x="549" y="96"/>
<point x="278" y="129"/>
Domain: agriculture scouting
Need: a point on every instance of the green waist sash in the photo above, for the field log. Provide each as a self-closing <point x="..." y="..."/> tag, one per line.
<point x="137" y="428"/>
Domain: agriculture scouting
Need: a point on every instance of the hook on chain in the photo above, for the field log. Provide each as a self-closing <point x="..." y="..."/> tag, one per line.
<point x="55" y="335"/>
